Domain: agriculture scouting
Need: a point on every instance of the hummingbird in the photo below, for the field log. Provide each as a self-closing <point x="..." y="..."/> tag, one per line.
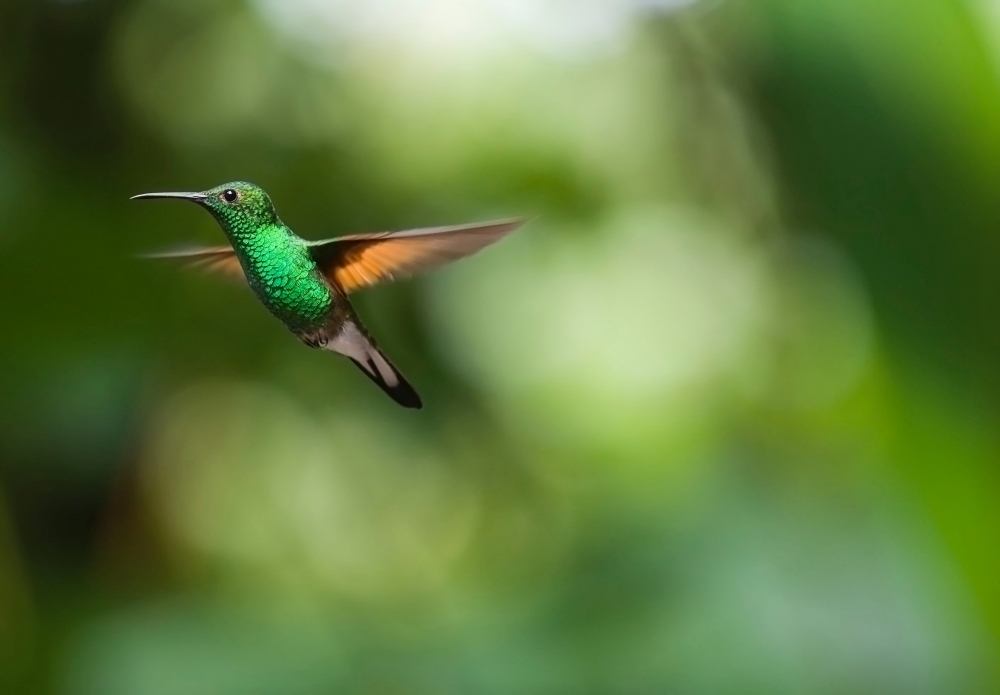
<point x="306" y="284"/>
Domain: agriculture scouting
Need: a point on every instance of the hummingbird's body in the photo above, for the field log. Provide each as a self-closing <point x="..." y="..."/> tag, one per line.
<point x="285" y="278"/>
<point x="306" y="284"/>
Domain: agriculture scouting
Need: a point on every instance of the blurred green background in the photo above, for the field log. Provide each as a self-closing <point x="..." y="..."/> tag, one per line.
<point x="722" y="419"/>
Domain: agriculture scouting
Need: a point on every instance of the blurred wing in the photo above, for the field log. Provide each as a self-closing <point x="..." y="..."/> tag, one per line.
<point x="362" y="260"/>
<point x="212" y="259"/>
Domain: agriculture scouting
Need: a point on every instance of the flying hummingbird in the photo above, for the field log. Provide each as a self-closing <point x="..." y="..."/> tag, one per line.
<point x="305" y="284"/>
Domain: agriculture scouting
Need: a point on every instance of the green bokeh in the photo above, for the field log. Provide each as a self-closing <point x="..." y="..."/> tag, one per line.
<point x="721" y="419"/>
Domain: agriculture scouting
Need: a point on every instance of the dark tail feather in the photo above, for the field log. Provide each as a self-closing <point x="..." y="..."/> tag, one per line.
<point x="353" y="341"/>
<point x="379" y="369"/>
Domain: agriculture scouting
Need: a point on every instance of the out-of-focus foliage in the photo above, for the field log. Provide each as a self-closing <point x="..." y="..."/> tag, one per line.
<point x="721" y="419"/>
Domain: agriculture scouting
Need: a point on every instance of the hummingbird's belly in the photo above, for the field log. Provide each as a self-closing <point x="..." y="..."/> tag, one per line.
<point x="297" y="297"/>
<point x="286" y="280"/>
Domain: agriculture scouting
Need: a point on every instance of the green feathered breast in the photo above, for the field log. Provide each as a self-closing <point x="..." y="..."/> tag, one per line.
<point x="284" y="277"/>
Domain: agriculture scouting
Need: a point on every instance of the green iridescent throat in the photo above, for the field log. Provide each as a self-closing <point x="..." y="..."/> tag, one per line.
<point x="278" y="265"/>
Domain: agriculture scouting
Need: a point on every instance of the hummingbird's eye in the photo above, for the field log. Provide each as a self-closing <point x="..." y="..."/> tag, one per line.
<point x="230" y="196"/>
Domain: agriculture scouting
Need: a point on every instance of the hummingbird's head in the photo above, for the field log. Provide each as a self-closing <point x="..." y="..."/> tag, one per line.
<point x="240" y="207"/>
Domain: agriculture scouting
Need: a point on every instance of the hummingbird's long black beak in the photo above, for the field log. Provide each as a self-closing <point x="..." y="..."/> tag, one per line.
<point x="195" y="197"/>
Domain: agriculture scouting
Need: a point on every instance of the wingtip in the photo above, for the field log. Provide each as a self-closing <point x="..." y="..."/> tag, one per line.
<point x="505" y="225"/>
<point x="517" y="222"/>
<point x="154" y="256"/>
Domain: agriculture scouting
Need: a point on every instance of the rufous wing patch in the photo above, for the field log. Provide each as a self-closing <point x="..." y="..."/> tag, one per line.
<point x="359" y="261"/>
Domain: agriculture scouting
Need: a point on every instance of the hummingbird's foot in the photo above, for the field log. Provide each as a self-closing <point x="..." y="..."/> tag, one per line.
<point x="314" y="340"/>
